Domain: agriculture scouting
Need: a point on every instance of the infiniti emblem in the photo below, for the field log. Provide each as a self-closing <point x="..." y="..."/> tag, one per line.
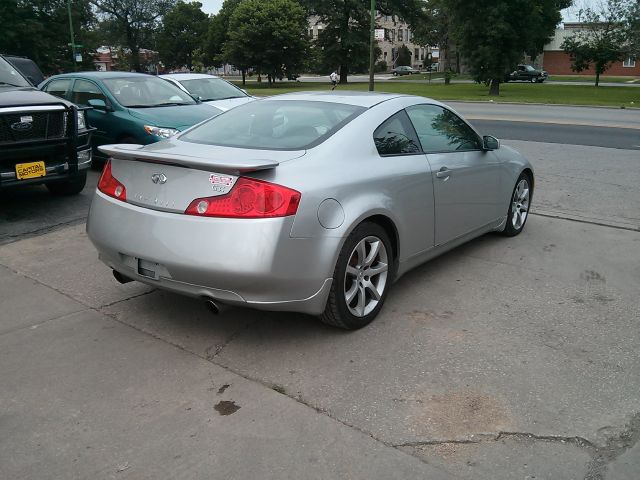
<point x="159" y="178"/>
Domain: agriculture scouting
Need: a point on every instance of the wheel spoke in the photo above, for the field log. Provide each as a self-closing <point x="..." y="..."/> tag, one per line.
<point x="351" y="293"/>
<point x="524" y="195"/>
<point x="377" y="269"/>
<point x="362" y="252"/>
<point x="352" y="270"/>
<point x="372" y="288"/>
<point x="362" y="300"/>
<point x="375" y="249"/>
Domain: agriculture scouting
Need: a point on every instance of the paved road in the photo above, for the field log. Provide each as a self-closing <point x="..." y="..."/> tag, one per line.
<point x="506" y="358"/>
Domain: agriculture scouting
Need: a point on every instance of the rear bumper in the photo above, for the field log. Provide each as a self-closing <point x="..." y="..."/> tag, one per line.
<point x="250" y="262"/>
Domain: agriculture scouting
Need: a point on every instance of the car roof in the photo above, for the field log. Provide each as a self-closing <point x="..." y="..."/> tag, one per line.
<point x="361" y="99"/>
<point x="187" y="76"/>
<point x="100" y="75"/>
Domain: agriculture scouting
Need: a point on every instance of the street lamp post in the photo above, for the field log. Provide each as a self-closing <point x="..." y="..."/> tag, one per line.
<point x="371" y="44"/>
<point x="73" y="40"/>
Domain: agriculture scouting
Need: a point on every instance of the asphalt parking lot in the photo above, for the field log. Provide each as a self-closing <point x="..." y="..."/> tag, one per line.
<point x="503" y="359"/>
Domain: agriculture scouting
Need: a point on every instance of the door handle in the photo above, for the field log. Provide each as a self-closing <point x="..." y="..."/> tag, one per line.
<point x="444" y="173"/>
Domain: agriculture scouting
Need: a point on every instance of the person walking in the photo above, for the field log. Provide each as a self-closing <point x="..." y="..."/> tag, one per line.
<point x="334" y="79"/>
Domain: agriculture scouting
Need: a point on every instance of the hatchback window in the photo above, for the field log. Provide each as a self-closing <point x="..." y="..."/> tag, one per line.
<point x="146" y="91"/>
<point x="212" y="89"/>
<point x="396" y="136"/>
<point x="83" y="91"/>
<point x="275" y="125"/>
<point x="440" y="130"/>
<point x="58" y="87"/>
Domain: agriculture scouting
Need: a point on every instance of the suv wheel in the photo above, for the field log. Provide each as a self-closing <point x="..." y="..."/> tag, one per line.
<point x="71" y="186"/>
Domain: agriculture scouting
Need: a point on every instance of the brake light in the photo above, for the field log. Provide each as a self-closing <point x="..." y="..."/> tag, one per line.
<point x="109" y="185"/>
<point x="248" y="198"/>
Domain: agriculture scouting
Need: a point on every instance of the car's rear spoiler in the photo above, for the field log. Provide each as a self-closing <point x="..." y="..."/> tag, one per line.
<point x="128" y="151"/>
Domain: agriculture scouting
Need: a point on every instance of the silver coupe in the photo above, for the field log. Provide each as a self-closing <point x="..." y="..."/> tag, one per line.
<point x="306" y="202"/>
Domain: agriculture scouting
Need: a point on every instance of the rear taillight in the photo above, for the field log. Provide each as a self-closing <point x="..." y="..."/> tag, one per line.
<point x="109" y="185"/>
<point x="248" y="198"/>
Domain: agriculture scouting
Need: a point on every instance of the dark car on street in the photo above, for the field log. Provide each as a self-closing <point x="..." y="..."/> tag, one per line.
<point x="43" y="139"/>
<point x="129" y="107"/>
<point x="404" y="70"/>
<point x="527" y="73"/>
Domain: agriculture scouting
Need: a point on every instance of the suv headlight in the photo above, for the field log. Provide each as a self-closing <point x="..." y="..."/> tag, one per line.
<point x="160" y="131"/>
<point x="82" y="120"/>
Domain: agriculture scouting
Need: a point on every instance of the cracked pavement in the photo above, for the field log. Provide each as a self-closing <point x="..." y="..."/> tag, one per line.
<point x="505" y="358"/>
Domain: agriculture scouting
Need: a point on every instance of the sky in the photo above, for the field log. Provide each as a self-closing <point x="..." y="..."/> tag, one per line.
<point x="569" y="14"/>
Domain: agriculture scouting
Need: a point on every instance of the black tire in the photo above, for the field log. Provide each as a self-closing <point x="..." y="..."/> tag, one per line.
<point x="72" y="186"/>
<point x="337" y="312"/>
<point x="511" y="230"/>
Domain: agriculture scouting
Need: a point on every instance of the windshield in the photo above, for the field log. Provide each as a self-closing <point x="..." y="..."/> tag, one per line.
<point x="10" y="76"/>
<point x="275" y="125"/>
<point x="212" y="89"/>
<point x="530" y="68"/>
<point x="146" y="91"/>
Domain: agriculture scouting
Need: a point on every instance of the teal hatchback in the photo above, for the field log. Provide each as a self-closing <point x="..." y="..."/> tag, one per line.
<point x="129" y="107"/>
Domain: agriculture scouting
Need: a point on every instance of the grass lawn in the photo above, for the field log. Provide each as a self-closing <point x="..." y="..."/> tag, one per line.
<point x="510" y="92"/>
<point x="592" y="78"/>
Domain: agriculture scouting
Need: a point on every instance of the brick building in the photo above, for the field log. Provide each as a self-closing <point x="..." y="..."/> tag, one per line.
<point x="556" y="62"/>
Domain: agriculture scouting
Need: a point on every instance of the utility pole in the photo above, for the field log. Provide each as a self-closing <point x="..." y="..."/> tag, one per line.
<point x="73" y="40"/>
<point x="371" y="44"/>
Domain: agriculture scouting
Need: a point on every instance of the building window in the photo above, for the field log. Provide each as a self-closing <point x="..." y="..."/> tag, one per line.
<point x="416" y="54"/>
<point x="629" y="62"/>
<point x="399" y="34"/>
<point x="385" y="56"/>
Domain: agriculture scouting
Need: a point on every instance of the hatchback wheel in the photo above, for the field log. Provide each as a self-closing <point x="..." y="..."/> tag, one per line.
<point x="519" y="207"/>
<point x="361" y="278"/>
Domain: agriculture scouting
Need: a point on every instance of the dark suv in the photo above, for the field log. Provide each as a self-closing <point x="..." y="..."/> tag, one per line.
<point x="43" y="139"/>
<point x="526" y="73"/>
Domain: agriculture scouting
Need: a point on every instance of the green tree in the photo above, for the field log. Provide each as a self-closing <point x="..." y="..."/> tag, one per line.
<point x="344" y="40"/>
<point x="218" y="34"/>
<point x="133" y="23"/>
<point x="404" y="56"/>
<point x="493" y="35"/>
<point x="435" y="29"/>
<point x="269" y="35"/>
<point x="29" y="32"/>
<point x="183" y="31"/>
<point x="601" y="41"/>
<point x="633" y="29"/>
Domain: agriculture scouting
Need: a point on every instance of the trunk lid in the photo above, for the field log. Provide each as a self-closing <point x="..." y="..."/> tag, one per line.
<point x="155" y="177"/>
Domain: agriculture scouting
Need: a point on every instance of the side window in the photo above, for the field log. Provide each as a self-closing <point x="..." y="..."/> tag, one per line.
<point x="440" y="130"/>
<point x="396" y="136"/>
<point x="58" y="87"/>
<point x="83" y="91"/>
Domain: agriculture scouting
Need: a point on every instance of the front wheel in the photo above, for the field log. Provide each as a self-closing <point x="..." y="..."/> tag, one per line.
<point x="71" y="186"/>
<point x="519" y="206"/>
<point x="361" y="278"/>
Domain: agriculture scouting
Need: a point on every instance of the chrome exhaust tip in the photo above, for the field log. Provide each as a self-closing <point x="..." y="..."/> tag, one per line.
<point x="213" y="307"/>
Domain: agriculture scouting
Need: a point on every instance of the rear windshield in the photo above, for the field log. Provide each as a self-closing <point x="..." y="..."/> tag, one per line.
<point x="275" y="125"/>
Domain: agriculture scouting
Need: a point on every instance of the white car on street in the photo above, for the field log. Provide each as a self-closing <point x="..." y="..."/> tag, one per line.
<point x="210" y="89"/>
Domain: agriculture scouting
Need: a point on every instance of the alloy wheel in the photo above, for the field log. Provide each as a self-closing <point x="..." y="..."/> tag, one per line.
<point x="366" y="276"/>
<point x="520" y="204"/>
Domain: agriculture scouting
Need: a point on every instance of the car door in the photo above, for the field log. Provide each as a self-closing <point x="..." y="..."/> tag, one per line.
<point x="466" y="178"/>
<point x="405" y="173"/>
<point x="83" y="91"/>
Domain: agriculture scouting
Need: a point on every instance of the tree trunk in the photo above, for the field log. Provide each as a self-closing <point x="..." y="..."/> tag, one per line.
<point x="134" y="61"/>
<point x="494" y="90"/>
<point x="269" y="79"/>
<point x="244" y="76"/>
<point x="344" y="71"/>
<point x="597" y="77"/>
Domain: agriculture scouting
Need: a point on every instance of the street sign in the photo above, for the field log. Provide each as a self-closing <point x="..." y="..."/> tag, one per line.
<point x="379" y="34"/>
<point x="78" y="57"/>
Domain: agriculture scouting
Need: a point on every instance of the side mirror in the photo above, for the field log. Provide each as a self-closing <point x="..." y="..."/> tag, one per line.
<point x="98" y="104"/>
<point x="490" y="143"/>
